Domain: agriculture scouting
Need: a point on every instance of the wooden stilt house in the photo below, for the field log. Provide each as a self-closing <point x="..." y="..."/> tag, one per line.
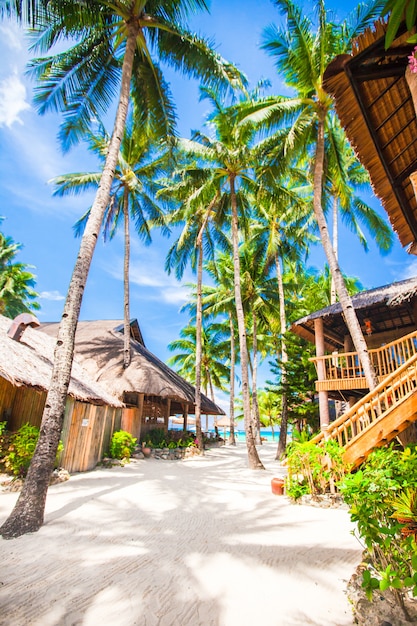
<point x="375" y="94"/>
<point x="388" y="317"/>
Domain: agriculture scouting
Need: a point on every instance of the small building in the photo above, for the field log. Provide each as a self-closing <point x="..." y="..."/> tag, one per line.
<point x="91" y="414"/>
<point x="388" y="318"/>
<point x="150" y="390"/>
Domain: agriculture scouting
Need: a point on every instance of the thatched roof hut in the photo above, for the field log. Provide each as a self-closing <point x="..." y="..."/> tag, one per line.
<point x="373" y="92"/>
<point x="28" y="362"/>
<point x="99" y="347"/>
<point x="390" y="310"/>
<point x="92" y="414"/>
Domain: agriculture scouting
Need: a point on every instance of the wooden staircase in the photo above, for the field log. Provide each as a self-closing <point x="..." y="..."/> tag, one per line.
<point x="379" y="416"/>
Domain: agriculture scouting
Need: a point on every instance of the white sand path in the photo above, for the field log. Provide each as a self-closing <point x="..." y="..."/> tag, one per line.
<point x="177" y="543"/>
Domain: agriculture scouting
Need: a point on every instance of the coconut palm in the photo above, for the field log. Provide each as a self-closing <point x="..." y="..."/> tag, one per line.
<point x="16" y="282"/>
<point x="132" y="195"/>
<point x="260" y="302"/>
<point x="112" y="46"/>
<point x="284" y="222"/>
<point x="219" y="300"/>
<point x="301" y="55"/>
<point x="229" y="157"/>
<point x="201" y="215"/>
<point x="214" y="357"/>
<point x="345" y="177"/>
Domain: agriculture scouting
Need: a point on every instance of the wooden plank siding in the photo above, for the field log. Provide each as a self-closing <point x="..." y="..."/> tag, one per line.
<point x="86" y="431"/>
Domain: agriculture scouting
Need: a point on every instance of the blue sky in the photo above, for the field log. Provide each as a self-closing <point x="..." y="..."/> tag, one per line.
<point x="30" y="156"/>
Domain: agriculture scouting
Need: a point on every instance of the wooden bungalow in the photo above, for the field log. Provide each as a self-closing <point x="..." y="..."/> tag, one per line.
<point x="91" y="415"/>
<point x="375" y="96"/>
<point x="388" y="317"/>
<point x="149" y="389"/>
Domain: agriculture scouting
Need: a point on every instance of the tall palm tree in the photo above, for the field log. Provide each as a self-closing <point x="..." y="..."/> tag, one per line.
<point x="132" y="195"/>
<point x="284" y="222"/>
<point x="116" y="47"/>
<point x="218" y="300"/>
<point x="214" y="357"/>
<point x="201" y="214"/>
<point x="302" y="54"/>
<point x="229" y="158"/>
<point x="344" y="178"/>
<point x="260" y="301"/>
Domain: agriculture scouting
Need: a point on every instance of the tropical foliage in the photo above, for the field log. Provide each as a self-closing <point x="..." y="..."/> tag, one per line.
<point x="17" y="294"/>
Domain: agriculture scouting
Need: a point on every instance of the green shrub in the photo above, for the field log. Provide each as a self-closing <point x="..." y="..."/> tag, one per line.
<point x="159" y="438"/>
<point x="122" y="445"/>
<point x="4" y="444"/>
<point x="16" y="449"/>
<point x="314" y="469"/>
<point x="381" y="496"/>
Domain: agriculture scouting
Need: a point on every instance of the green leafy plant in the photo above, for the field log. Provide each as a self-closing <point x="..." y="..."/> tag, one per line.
<point x="122" y="445"/>
<point x="314" y="469"/>
<point x="382" y="497"/>
<point x="18" y="448"/>
<point x="159" y="438"/>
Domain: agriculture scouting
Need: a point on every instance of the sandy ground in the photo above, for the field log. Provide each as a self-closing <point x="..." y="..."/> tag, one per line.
<point x="175" y="543"/>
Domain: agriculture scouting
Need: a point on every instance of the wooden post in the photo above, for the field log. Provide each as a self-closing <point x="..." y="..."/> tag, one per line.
<point x="185" y="416"/>
<point x="167" y="414"/>
<point x="323" y="395"/>
<point x="141" y="397"/>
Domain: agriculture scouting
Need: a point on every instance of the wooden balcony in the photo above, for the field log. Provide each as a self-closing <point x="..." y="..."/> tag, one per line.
<point x="342" y="371"/>
<point x="378" y="417"/>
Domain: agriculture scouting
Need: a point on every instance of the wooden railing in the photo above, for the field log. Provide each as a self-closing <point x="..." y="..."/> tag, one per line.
<point x="385" y="360"/>
<point x="375" y="406"/>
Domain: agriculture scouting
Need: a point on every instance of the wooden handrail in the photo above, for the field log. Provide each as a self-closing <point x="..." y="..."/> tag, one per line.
<point x="385" y="359"/>
<point x="374" y="406"/>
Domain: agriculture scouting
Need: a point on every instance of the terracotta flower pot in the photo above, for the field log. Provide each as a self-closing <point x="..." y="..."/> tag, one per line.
<point x="277" y="486"/>
<point x="146" y="451"/>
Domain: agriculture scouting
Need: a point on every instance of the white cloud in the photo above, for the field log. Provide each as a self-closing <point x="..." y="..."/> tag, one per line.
<point x="410" y="270"/>
<point x="12" y="36"/>
<point x="12" y="100"/>
<point x="55" y="296"/>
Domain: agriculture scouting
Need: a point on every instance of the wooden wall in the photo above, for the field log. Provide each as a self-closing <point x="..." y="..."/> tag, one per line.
<point x="87" y="428"/>
<point x="86" y="434"/>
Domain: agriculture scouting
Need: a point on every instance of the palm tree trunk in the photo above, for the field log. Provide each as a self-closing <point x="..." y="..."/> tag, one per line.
<point x="282" y="442"/>
<point x="28" y="513"/>
<point x="198" y="344"/>
<point x="126" y="307"/>
<point x="335" y="233"/>
<point x="253" y="458"/>
<point x="255" y="404"/>
<point x="232" y="439"/>
<point x="344" y="298"/>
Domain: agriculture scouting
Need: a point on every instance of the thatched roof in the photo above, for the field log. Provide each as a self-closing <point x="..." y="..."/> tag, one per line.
<point x="375" y="106"/>
<point x="100" y="349"/>
<point x="389" y="307"/>
<point x="28" y="363"/>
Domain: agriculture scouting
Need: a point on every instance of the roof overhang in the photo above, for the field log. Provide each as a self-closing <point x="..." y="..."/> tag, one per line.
<point x="375" y="106"/>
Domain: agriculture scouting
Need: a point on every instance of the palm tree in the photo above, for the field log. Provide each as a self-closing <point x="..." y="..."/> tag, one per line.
<point x="214" y="356"/>
<point x="260" y="299"/>
<point x="201" y="215"/>
<point x="285" y="225"/>
<point x="229" y="159"/>
<point x="219" y="300"/>
<point x="302" y="55"/>
<point x="16" y="282"/>
<point x="345" y="176"/>
<point x="132" y="195"/>
<point x="115" y="44"/>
